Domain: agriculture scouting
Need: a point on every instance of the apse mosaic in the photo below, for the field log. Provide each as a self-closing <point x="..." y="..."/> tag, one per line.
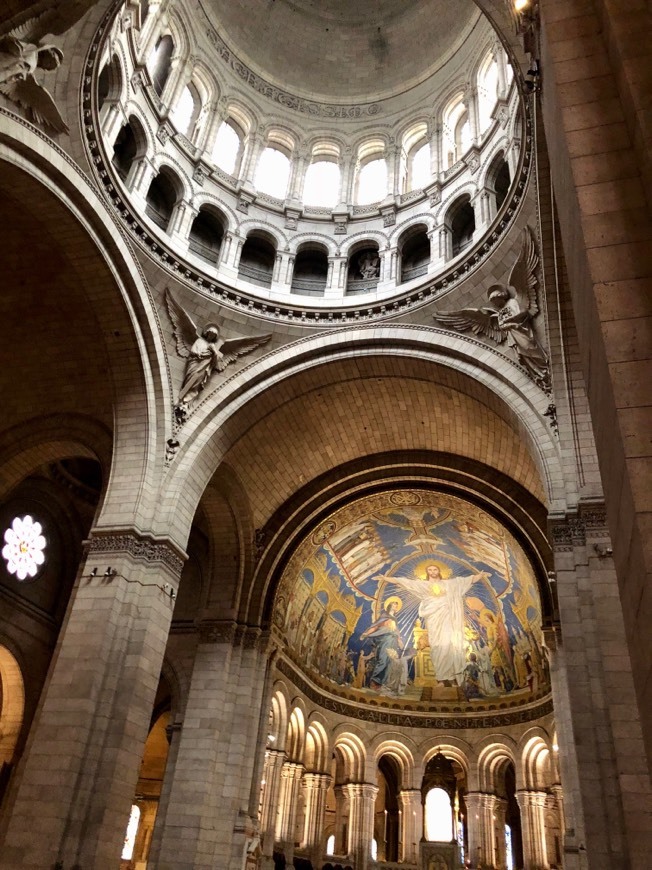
<point x="414" y="595"/>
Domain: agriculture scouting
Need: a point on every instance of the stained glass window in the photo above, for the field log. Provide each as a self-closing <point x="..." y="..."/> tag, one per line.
<point x="24" y="549"/>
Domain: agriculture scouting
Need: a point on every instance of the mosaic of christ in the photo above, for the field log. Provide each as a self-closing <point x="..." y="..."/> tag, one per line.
<point x="415" y="595"/>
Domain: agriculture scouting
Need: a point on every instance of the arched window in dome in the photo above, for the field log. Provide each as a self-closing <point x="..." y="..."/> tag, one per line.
<point x="186" y="111"/>
<point x="363" y="273"/>
<point x="163" y="194"/>
<point x="487" y="90"/>
<point x="420" y="176"/>
<point x="372" y="181"/>
<point x="498" y="180"/>
<point x="310" y="270"/>
<point x="257" y="259"/>
<point x="227" y="151"/>
<point x="273" y="172"/>
<point x="330" y="845"/>
<point x="414" y="246"/>
<point x="460" y="223"/>
<point x="159" y="62"/>
<point x="322" y="184"/>
<point x="130" y="146"/>
<point x="109" y="83"/>
<point x="438" y="816"/>
<point x="415" y="159"/>
<point x="206" y="234"/>
<point x="456" y="134"/>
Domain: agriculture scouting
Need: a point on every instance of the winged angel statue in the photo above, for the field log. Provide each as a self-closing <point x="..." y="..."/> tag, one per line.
<point x="204" y="351"/>
<point x="514" y="308"/>
<point x="21" y="54"/>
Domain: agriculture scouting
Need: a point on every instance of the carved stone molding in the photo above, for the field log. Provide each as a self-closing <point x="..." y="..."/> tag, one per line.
<point x="572" y="531"/>
<point x="428" y="719"/>
<point x="144" y="548"/>
<point x="217" y="631"/>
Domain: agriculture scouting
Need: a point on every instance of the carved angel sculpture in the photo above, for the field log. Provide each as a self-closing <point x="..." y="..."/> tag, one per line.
<point x="204" y="351"/>
<point x="514" y="307"/>
<point x="21" y="54"/>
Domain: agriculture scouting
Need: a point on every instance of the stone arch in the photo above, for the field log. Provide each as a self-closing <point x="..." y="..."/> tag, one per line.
<point x="296" y="732"/>
<point x="350" y="756"/>
<point x="498" y="749"/>
<point x="279" y="715"/>
<point x="317" y="756"/>
<point x="81" y="227"/>
<point x="513" y="394"/>
<point x="534" y="768"/>
<point x="398" y="750"/>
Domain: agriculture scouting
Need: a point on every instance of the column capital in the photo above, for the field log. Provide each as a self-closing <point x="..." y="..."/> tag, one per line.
<point x="361" y="789"/>
<point x="316" y="781"/>
<point x="531" y="798"/>
<point x="138" y="546"/>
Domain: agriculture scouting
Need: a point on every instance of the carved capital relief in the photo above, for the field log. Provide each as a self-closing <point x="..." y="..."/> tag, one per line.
<point x="140" y="547"/>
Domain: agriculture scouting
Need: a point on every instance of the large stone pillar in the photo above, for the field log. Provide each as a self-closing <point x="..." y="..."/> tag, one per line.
<point x="480" y="808"/>
<point x="604" y="773"/>
<point x="210" y="794"/>
<point x="274" y="761"/>
<point x="532" y="805"/>
<point x="411" y="825"/>
<point x="362" y="801"/>
<point x="341" y="820"/>
<point x="288" y="807"/>
<point x="315" y="788"/>
<point x="75" y="784"/>
<point x="500" y="814"/>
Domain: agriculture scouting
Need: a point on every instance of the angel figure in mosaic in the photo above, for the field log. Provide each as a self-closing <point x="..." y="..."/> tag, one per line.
<point x="204" y="351"/>
<point x="22" y="54"/>
<point x="510" y="319"/>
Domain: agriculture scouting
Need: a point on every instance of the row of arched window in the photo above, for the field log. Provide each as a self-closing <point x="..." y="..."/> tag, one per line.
<point x="324" y="176"/>
<point x="310" y="273"/>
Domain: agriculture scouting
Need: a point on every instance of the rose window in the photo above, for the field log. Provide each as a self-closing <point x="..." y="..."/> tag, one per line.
<point x="24" y="547"/>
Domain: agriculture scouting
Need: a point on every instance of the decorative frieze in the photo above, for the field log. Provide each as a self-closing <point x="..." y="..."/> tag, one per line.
<point x="141" y="547"/>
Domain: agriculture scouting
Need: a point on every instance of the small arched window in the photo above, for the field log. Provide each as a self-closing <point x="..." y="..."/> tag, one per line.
<point x="109" y="83"/>
<point x="461" y="222"/>
<point x="161" y="198"/>
<point x="125" y="150"/>
<point x="273" y="172"/>
<point x="257" y="259"/>
<point x="130" y="835"/>
<point x="419" y="175"/>
<point x="372" y="181"/>
<point x="186" y="110"/>
<point x="310" y="276"/>
<point x="206" y="235"/>
<point x="330" y="845"/>
<point x="322" y="184"/>
<point x="159" y="62"/>
<point x="227" y="150"/>
<point x="487" y="91"/>
<point x="456" y="134"/>
<point x="439" y="816"/>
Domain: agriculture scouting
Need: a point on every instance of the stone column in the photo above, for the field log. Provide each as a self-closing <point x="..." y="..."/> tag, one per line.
<point x="436" y="159"/>
<point x="297" y="175"/>
<point x="393" y="173"/>
<point x="274" y="761"/>
<point x="150" y="32"/>
<point x="341" y="819"/>
<point x="140" y="177"/>
<point x="347" y="170"/>
<point x="211" y="786"/>
<point x="533" y="826"/>
<point x="480" y="828"/>
<point x="501" y="65"/>
<point x="411" y="825"/>
<point x="362" y="801"/>
<point x="315" y="786"/>
<point x="206" y="141"/>
<point x="75" y="784"/>
<point x="471" y="105"/>
<point x="181" y="220"/>
<point x="173" y="732"/>
<point x="288" y="805"/>
<point x="500" y="813"/>
<point x="177" y="80"/>
<point x="248" y="171"/>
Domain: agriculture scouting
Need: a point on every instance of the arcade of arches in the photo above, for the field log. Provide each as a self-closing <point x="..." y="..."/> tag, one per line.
<point x="325" y="461"/>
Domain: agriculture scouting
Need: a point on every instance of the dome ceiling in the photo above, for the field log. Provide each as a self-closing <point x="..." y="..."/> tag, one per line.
<point x="341" y="50"/>
<point x="412" y="598"/>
